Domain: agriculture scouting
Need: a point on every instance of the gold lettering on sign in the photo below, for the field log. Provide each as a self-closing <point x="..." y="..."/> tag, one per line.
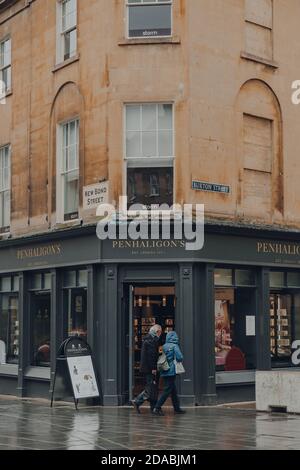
<point x="39" y="252"/>
<point x="148" y="244"/>
<point x="277" y="248"/>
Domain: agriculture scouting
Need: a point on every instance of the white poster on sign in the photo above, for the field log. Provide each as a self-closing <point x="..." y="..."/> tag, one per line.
<point x="83" y="377"/>
<point x="94" y="195"/>
<point x="250" y="326"/>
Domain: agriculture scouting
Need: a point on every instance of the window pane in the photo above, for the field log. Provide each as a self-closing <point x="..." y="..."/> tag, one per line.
<point x="277" y="279"/>
<point x="244" y="277"/>
<point x="281" y="326"/>
<point x="235" y="329"/>
<point x="83" y="278"/>
<point x="70" y="279"/>
<point x="40" y="311"/>
<point x="223" y="277"/>
<point x="47" y="281"/>
<point x="149" y="20"/>
<point x="133" y="145"/>
<point x="149" y="144"/>
<point x="69" y="15"/>
<point x="71" y="195"/>
<point x="165" y="143"/>
<point x="133" y="118"/>
<point x="37" y="281"/>
<point x="149" y="117"/>
<point x="165" y="117"/>
<point x="293" y="279"/>
<point x="150" y="186"/>
<point x="16" y="281"/>
<point x="9" y="328"/>
<point x="6" y="284"/>
<point x="76" y="306"/>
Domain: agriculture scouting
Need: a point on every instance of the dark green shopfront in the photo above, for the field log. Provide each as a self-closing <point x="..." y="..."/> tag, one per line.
<point x="235" y="306"/>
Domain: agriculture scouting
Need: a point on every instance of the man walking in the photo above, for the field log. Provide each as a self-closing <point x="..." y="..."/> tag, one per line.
<point x="149" y="357"/>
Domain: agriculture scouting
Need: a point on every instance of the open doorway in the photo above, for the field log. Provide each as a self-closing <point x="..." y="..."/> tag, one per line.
<point x="150" y="305"/>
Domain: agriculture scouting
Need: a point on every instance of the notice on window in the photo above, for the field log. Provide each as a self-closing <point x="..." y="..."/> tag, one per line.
<point x="250" y="325"/>
<point x="83" y="377"/>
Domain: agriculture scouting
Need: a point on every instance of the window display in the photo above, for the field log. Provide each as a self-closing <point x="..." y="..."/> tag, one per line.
<point x="9" y="327"/>
<point x="281" y="325"/>
<point x="235" y="329"/>
<point x="40" y="318"/>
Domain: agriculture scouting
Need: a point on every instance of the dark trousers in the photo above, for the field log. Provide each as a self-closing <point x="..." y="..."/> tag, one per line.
<point x="169" y="390"/>
<point x="150" y="393"/>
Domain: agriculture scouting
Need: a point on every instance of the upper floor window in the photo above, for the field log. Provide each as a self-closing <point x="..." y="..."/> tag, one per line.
<point x="4" y="189"/>
<point x="149" y="18"/>
<point x="67" y="29"/>
<point x="149" y="154"/>
<point x="259" y="28"/>
<point x="5" y="64"/>
<point x="68" y="171"/>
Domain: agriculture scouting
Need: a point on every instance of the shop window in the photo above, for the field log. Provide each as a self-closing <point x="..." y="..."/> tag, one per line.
<point x="75" y="303"/>
<point x="277" y="279"/>
<point x="40" y="328"/>
<point x="223" y="277"/>
<point x="41" y="281"/>
<point x="281" y="325"/>
<point x="235" y="329"/>
<point x="82" y="278"/>
<point x="6" y="284"/>
<point x="293" y="280"/>
<point x="244" y="277"/>
<point x="9" y="328"/>
<point x="149" y="18"/>
<point x="76" y="307"/>
<point x="149" y="154"/>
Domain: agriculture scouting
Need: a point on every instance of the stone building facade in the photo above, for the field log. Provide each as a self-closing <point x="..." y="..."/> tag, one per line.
<point x="188" y="100"/>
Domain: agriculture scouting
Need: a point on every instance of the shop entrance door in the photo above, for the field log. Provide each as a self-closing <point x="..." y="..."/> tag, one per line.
<point x="148" y="305"/>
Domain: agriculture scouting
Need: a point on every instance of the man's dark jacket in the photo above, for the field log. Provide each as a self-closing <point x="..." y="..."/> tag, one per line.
<point x="149" y="354"/>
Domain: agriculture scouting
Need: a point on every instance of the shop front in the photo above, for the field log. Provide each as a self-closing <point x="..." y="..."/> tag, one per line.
<point x="235" y="306"/>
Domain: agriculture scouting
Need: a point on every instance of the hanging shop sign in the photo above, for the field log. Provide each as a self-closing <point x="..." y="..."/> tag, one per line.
<point x="74" y="374"/>
<point x="210" y="187"/>
<point x="94" y="195"/>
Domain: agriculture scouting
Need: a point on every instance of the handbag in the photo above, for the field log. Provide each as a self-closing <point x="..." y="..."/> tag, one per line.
<point x="179" y="369"/>
<point x="162" y="363"/>
<point x="151" y="391"/>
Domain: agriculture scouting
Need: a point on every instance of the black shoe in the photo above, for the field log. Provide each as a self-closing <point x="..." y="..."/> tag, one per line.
<point x="158" y="412"/>
<point x="179" y="412"/>
<point x="137" y="407"/>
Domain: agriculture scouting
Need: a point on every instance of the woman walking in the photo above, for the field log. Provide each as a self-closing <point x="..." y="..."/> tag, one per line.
<point x="173" y="353"/>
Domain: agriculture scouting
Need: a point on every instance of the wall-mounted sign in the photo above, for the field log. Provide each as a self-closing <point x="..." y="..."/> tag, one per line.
<point x="94" y="195"/>
<point x="211" y="187"/>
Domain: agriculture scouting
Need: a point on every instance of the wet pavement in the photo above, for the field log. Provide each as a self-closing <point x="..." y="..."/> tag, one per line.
<point x="31" y="424"/>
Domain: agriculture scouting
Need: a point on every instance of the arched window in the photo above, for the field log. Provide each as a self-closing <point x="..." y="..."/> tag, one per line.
<point x="261" y="176"/>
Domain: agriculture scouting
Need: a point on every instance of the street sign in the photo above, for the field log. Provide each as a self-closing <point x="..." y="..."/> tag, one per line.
<point x="94" y="195"/>
<point x="210" y="187"/>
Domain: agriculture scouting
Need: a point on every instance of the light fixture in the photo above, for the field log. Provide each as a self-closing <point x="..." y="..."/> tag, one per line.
<point x="164" y="302"/>
<point x="140" y="301"/>
<point x="148" y="302"/>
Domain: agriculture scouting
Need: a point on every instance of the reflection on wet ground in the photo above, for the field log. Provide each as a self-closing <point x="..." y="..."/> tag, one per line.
<point x="32" y="424"/>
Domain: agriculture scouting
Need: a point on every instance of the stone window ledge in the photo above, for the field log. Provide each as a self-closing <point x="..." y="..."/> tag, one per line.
<point x="143" y="41"/>
<point x="9" y="370"/>
<point x="259" y="60"/>
<point x="64" y="64"/>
